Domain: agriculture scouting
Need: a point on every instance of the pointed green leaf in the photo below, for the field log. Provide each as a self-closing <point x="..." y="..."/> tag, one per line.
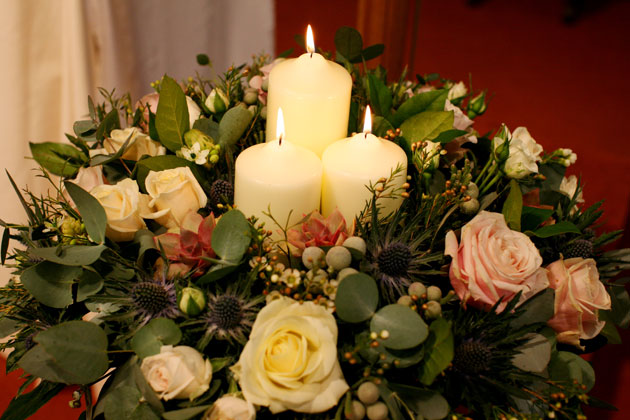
<point x="109" y="123"/>
<point x="58" y="159"/>
<point x="513" y="206"/>
<point x="91" y="211"/>
<point x="405" y="327"/>
<point x="171" y="118"/>
<point x="5" y="245"/>
<point x="233" y="125"/>
<point x="534" y="354"/>
<point x="427" y="101"/>
<point x="380" y="126"/>
<point x="356" y="298"/>
<point x="439" y="348"/>
<point x="72" y="255"/>
<point x="532" y="217"/>
<point x="380" y="96"/>
<point x="537" y="309"/>
<point x="555" y="229"/>
<point x="372" y="51"/>
<point x="25" y="405"/>
<point x="51" y="283"/>
<point x="426" y="125"/>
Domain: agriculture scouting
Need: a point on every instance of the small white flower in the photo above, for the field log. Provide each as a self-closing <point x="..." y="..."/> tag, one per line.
<point x="524" y="154"/>
<point x="457" y="91"/>
<point x="195" y="154"/>
<point x="291" y="277"/>
<point x="568" y="186"/>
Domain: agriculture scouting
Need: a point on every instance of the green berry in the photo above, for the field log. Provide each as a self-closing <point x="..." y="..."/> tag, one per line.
<point x="357" y="243"/>
<point x="469" y="207"/>
<point x="405" y="300"/>
<point x="345" y="272"/>
<point x="313" y="257"/>
<point x="263" y="113"/>
<point x="338" y="258"/>
<point x="434" y="309"/>
<point x="358" y="410"/>
<point x="434" y="293"/>
<point x="377" y="411"/>
<point x="472" y="190"/>
<point x="368" y="393"/>
<point x="251" y="96"/>
<point x="417" y="289"/>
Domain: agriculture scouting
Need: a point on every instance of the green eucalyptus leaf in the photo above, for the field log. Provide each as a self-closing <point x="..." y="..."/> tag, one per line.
<point x="439" y="350"/>
<point x="555" y="229"/>
<point x="126" y="402"/>
<point x="83" y="128"/>
<point x="9" y="326"/>
<point x="380" y="126"/>
<point x="532" y="217"/>
<point x="533" y="355"/>
<point x="109" y="123"/>
<point x="405" y="327"/>
<point x="513" y="206"/>
<point x="74" y="255"/>
<point x="171" y="118"/>
<point x="231" y="236"/>
<point x="157" y="333"/>
<point x="62" y="357"/>
<point x="145" y="240"/>
<point x="356" y="298"/>
<point x="25" y="405"/>
<point x="215" y="273"/>
<point x="433" y="100"/>
<point x="50" y="283"/>
<point x="185" y="413"/>
<point x="90" y="283"/>
<point x="91" y="211"/>
<point x="348" y="42"/>
<point x="620" y="306"/>
<point x="537" y="309"/>
<point x="610" y="331"/>
<point x="233" y="125"/>
<point x="431" y="405"/>
<point x="57" y="158"/>
<point x="208" y="127"/>
<point x="380" y="96"/>
<point x="554" y="173"/>
<point x="567" y="367"/>
<point x="426" y="125"/>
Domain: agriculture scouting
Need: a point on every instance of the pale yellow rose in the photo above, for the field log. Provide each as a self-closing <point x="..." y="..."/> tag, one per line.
<point x="139" y="144"/>
<point x="230" y="408"/>
<point x="290" y="361"/>
<point x="125" y="208"/>
<point x="177" y="372"/>
<point x="174" y="192"/>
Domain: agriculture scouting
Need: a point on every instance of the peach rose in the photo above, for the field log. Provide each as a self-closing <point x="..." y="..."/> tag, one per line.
<point x="492" y="262"/>
<point x="579" y="297"/>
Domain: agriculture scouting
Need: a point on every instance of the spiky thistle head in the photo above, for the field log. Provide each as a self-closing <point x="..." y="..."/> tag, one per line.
<point x="154" y="299"/>
<point x="230" y="316"/>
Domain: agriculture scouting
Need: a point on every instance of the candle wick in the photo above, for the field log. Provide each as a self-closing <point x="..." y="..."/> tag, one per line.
<point x="366" y="133"/>
<point x="311" y="54"/>
<point x="280" y="140"/>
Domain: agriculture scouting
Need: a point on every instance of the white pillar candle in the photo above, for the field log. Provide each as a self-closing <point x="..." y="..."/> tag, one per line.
<point x="351" y="164"/>
<point x="314" y="94"/>
<point x="278" y="176"/>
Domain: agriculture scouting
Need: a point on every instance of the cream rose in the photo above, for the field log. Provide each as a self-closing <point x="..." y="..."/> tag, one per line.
<point x="492" y="261"/>
<point x="456" y="91"/>
<point x="579" y="297"/>
<point x="177" y="372"/>
<point x="139" y="144"/>
<point x="524" y="153"/>
<point x="87" y="178"/>
<point x="193" y="110"/>
<point x="174" y="192"/>
<point x="230" y="408"/>
<point x="290" y="361"/>
<point x="125" y="208"/>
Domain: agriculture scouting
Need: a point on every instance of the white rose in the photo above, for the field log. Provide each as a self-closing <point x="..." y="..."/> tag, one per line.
<point x="290" y="361"/>
<point x="177" y="372"/>
<point x="457" y="91"/>
<point x="460" y="120"/>
<point x="230" y="408"/>
<point x="174" y="192"/>
<point x="193" y="110"/>
<point x="524" y="153"/>
<point x="139" y="144"/>
<point x="125" y="208"/>
<point x="568" y="186"/>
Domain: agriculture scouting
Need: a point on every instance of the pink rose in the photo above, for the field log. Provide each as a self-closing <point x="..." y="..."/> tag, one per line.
<point x="579" y="297"/>
<point x="493" y="262"/>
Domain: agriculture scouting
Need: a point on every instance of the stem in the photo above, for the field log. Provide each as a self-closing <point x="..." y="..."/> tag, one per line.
<point x="494" y="181"/>
<point x="87" y="392"/>
<point x="485" y="168"/>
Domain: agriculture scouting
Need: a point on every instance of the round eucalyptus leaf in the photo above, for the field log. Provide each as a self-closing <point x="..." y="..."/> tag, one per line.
<point x="567" y="367"/>
<point x="357" y="298"/>
<point x="231" y="236"/>
<point x="150" y="338"/>
<point x="405" y="328"/>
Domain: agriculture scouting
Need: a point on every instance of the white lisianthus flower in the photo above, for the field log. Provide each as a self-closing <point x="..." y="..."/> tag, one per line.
<point x="568" y="186"/>
<point x="290" y="361"/>
<point x="195" y="154"/>
<point x="174" y="192"/>
<point x="139" y="144"/>
<point x="524" y="154"/>
<point x="456" y="91"/>
<point x="177" y="372"/>
<point x="125" y="208"/>
<point x="230" y="408"/>
<point x="193" y="111"/>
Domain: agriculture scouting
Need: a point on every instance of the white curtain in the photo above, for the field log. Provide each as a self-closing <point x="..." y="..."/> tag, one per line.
<point x="55" y="53"/>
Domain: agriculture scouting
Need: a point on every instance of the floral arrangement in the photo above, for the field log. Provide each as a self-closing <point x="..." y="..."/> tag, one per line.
<point x="474" y="299"/>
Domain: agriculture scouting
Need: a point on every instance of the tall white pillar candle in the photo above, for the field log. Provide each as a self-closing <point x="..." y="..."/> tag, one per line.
<point x="278" y="176"/>
<point x="352" y="164"/>
<point x="314" y="94"/>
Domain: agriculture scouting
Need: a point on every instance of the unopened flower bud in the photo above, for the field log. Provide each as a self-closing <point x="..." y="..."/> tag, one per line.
<point x="477" y="105"/>
<point x="217" y="101"/>
<point x="191" y="301"/>
<point x="251" y="96"/>
<point x="196" y="136"/>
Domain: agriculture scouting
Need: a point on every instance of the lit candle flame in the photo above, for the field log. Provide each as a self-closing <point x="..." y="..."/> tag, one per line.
<point x="280" y="126"/>
<point x="310" y="42"/>
<point x="367" y="122"/>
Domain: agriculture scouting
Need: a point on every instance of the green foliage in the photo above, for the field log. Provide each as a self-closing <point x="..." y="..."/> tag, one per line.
<point x="406" y="329"/>
<point x="25" y="405"/>
<point x="185" y="413"/>
<point x="58" y="159"/>
<point x="430" y="405"/>
<point x="439" y="351"/>
<point x="109" y="123"/>
<point x="426" y="125"/>
<point x="380" y="96"/>
<point x="513" y="206"/>
<point x="126" y="402"/>
<point x="171" y="118"/>
<point x="233" y="125"/>
<point x="157" y="333"/>
<point x="568" y="367"/>
<point x="554" y="230"/>
<point x="51" y="283"/>
<point x="427" y="101"/>
<point x="61" y="357"/>
<point x="74" y="255"/>
<point x="357" y="298"/>
<point x="91" y="212"/>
